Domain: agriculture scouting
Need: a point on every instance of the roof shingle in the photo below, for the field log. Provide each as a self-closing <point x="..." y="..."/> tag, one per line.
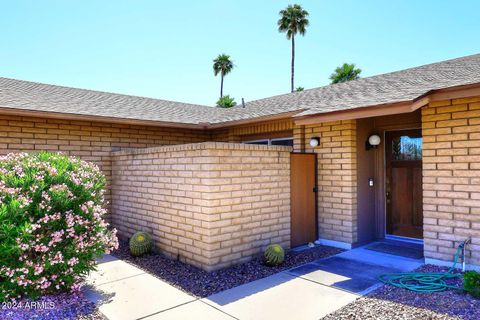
<point x="34" y="96"/>
<point x="400" y="86"/>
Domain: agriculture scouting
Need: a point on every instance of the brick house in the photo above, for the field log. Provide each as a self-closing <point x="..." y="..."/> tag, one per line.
<point x="390" y="156"/>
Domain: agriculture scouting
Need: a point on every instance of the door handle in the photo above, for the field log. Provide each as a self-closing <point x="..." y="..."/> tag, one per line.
<point x="315" y="189"/>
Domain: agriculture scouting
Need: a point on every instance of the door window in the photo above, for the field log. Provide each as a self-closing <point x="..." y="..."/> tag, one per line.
<point x="405" y="148"/>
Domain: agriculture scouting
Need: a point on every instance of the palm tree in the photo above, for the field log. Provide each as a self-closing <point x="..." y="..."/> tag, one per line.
<point x="345" y="72"/>
<point x="293" y="20"/>
<point x="226" y="102"/>
<point x="223" y="65"/>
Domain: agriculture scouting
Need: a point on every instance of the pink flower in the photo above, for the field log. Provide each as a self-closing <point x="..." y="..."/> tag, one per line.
<point x="41" y="248"/>
<point x="45" y="285"/>
<point x="76" y="286"/>
<point x="38" y="270"/>
<point x="57" y="259"/>
<point x="73" y="261"/>
<point x="56" y="237"/>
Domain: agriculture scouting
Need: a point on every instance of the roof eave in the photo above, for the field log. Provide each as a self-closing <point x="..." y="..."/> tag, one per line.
<point x="356" y="113"/>
<point x="278" y="116"/>
<point x="96" y="118"/>
<point x="456" y="92"/>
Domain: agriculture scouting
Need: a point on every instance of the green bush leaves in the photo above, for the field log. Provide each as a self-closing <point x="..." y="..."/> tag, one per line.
<point x="51" y="223"/>
<point x="471" y="283"/>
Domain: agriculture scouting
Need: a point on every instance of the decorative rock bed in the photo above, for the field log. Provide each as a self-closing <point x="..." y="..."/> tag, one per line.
<point x="202" y="283"/>
<point x="56" y="307"/>
<point x="391" y="303"/>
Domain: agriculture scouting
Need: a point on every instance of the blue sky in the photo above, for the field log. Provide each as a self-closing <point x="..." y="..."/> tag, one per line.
<point x="164" y="49"/>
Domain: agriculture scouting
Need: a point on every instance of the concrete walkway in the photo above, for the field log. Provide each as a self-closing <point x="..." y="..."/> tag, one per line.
<point x="311" y="291"/>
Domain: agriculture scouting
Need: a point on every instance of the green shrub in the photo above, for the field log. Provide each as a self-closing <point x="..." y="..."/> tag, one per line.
<point x="51" y="223"/>
<point x="274" y="255"/>
<point x="471" y="283"/>
<point x="140" y="243"/>
<point x="226" y="102"/>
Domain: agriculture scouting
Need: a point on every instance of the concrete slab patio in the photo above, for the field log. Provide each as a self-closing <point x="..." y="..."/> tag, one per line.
<point x="281" y="296"/>
<point x="356" y="270"/>
<point x="125" y="292"/>
<point x="311" y="291"/>
<point x="192" y="311"/>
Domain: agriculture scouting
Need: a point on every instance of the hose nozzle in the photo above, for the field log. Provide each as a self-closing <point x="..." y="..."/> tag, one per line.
<point x="465" y="242"/>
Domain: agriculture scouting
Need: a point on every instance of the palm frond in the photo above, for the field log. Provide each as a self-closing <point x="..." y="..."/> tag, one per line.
<point x="293" y="20"/>
<point x="345" y="72"/>
<point x="222" y="64"/>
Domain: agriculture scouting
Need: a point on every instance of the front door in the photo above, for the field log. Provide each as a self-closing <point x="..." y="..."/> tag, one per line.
<point x="403" y="155"/>
<point x="303" y="198"/>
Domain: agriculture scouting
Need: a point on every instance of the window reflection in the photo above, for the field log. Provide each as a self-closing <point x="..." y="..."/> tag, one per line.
<point x="405" y="148"/>
<point x="273" y="142"/>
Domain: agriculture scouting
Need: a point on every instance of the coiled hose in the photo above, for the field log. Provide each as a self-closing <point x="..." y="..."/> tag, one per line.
<point x="424" y="282"/>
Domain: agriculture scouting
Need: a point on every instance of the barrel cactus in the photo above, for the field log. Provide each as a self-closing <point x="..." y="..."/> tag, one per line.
<point x="140" y="244"/>
<point x="274" y="255"/>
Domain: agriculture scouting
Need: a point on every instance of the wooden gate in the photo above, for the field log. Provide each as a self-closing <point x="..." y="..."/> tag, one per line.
<point x="303" y="181"/>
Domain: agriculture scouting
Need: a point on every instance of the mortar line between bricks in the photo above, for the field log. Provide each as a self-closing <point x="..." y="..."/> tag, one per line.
<point x="161" y="311"/>
<point x="228" y="314"/>
<point x="135" y="275"/>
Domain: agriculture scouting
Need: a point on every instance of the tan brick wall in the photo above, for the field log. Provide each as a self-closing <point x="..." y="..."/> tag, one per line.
<point x="209" y="204"/>
<point x="451" y="177"/>
<point x="337" y="173"/>
<point x="337" y="177"/>
<point x="92" y="141"/>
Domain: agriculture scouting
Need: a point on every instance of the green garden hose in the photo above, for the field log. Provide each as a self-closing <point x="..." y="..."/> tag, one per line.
<point x="424" y="282"/>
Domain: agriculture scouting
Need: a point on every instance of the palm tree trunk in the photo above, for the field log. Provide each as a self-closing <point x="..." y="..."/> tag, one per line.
<point x="221" y="86"/>
<point x="293" y="62"/>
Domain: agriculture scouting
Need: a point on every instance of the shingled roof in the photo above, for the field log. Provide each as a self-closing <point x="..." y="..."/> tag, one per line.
<point x="400" y="86"/>
<point x="32" y="96"/>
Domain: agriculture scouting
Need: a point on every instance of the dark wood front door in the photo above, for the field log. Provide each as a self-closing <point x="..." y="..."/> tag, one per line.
<point x="303" y="179"/>
<point x="403" y="155"/>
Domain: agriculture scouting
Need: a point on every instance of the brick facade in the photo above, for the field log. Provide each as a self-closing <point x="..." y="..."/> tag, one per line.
<point x="217" y="204"/>
<point x="451" y="177"/>
<point x="208" y="204"/>
<point x="92" y="141"/>
<point x="337" y="177"/>
<point x="337" y="170"/>
<point x="257" y="214"/>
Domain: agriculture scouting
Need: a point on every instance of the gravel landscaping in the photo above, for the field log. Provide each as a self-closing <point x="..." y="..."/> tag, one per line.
<point x="391" y="303"/>
<point x="56" y="307"/>
<point x="202" y="283"/>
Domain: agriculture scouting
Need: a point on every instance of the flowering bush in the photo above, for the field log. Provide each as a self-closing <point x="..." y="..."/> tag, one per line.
<point x="51" y="223"/>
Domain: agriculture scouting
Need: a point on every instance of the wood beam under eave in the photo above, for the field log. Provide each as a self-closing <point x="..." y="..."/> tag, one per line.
<point x="456" y="93"/>
<point x="420" y="103"/>
<point x="360" y="113"/>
